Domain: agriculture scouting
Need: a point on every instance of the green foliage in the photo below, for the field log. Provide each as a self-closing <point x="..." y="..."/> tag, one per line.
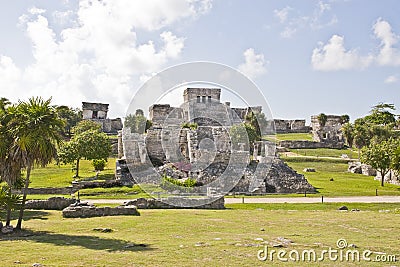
<point x="381" y="114"/>
<point x="243" y="133"/>
<point x="348" y="133"/>
<point x="344" y="119"/>
<point x="322" y="118"/>
<point x="378" y="156"/>
<point x="138" y="122"/>
<point x="89" y="145"/>
<point x="9" y="200"/>
<point x="188" y="125"/>
<point x="99" y="164"/>
<point x="258" y="121"/>
<point x="395" y="156"/>
<point x="86" y="125"/>
<point x="70" y="116"/>
<point x="171" y="184"/>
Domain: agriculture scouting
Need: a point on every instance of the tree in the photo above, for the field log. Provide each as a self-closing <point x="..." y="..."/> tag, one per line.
<point x="344" y="119"/>
<point x="35" y="128"/>
<point x="243" y="133"/>
<point x="258" y="121"/>
<point x="137" y="123"/>
<point x="378" y="155"/>
<point x="381" y="114"/>
<point x="90" y="145"/>
<point x="395" y="160"/>
<point x="361" y="137"/>
<point x="322" y="118"/>
<point x="70" y="116"/>
<point x="86" y="125"/>
<point x="348" y="133"/>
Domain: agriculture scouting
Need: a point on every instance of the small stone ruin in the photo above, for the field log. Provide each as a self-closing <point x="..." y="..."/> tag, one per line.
<point x="84" y="210"/>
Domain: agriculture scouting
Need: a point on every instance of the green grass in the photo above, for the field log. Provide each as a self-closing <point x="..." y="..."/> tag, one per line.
<point x="229" y="237"/>
<point x="61" y="175"/>
<point x="326" y="152"/>
<point x="294" y="136"/>
<point x="344" y="183"/>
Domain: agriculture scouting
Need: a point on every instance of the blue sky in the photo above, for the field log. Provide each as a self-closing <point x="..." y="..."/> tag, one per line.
<point x="307" y="57"/>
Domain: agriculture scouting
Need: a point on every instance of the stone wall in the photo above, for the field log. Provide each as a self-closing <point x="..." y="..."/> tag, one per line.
<point x="91" y="211"/>
<point x="94" y="110"/>
<point x="53" y="203"/>
<point x="291" y="126"/>
<point x="216" y="203"/>
<point x="330" y="132"/>
<point x="299" y="144"/>
<point x="192" y="94"/>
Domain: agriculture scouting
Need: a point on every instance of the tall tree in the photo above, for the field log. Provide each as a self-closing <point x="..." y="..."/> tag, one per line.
<point x="348" y="133"/>
<point x="378" y="155"/>
<point x="381" y="114"/>
<point x="138" y="122"/>
<point x="90" y="145"/>
<point x="70" y="116"/>
<point x="35" y="128"/>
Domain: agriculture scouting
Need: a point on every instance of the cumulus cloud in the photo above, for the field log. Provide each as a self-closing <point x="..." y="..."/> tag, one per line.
<point x="389" y="54"/>
<point x="391" y="79"/>
<point x="99" y="57"/>
<point x="254" y="64"/>
<point x="333" y="55"/>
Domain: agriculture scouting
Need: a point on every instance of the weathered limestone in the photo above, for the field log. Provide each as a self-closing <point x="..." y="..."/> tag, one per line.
<point x="215" y="203"/>
<point x="330" y="132"/>
<point x="92" y="211"/>
<point x="291" y="126"/>
<point x="97" y="112"/>
<point x="358" y="167"/>
<point x="53" y="203"/>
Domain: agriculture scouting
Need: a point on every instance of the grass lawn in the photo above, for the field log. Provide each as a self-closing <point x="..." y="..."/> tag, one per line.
<point x="229" y="237"/>
<point x="294" y="136"/>
<point x="61" y="175"/>
<point x="326" y="152"/>
<point x="344" y="183"/>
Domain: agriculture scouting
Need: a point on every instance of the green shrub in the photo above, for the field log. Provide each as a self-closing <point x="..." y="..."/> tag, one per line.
<point x="99" y="164"/>
<point x="192" y="126"/>
<point x="172" y="184"/>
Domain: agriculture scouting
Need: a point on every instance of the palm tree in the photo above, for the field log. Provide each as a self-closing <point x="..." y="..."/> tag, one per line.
<point x="10" y="170"/>
<point x="36" y="131"/>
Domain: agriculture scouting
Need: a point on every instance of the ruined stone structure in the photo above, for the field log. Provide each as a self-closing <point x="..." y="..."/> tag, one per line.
<point x="291" y="126"/>
<point x="97" y="112"/>
<point x="205" y="148"/>
<point x="328" y="132"/>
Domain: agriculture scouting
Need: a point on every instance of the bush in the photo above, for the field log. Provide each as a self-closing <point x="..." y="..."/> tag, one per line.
<point x="192" y="126"/>
<point x="172" y="184"/>
<point x="99" y="164"/>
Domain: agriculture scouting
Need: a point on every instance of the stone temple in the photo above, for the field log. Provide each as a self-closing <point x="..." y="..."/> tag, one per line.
<point x="194" y="140"/>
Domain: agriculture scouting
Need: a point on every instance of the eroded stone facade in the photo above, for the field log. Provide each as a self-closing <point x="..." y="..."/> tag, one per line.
<point x="97" y="112"/>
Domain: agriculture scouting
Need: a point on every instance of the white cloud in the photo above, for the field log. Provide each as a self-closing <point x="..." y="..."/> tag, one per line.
<point x="99" y="58"/>
<point x="333" y="56"/>
<point x="288" y="32"/>
<point x="282" y="14"/>
<point x="321" y="17"/>
<point x="388" y="55"/>
<point x="391" y="79"/>
<point x="254" y="65"/>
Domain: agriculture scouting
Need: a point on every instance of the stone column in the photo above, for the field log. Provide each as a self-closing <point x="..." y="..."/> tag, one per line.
<point x="120" y="145"/>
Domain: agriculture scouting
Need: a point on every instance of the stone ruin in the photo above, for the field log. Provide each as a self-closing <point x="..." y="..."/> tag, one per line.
<point x="97" y="112"/>
<point x="204" y="152"/>
<point x="291" y="126"/>
<point x="330" y="132"/>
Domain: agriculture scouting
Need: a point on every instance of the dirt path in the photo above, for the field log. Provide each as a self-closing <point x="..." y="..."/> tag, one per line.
<point x="360" y="199"/>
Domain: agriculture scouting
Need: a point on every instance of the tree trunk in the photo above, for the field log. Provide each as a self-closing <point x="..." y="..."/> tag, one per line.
<point x="382" y="178"/>
<point x="359" y="154"/>
<point x="8" y="217"/>
<point x="77" y="169"/>
<point x="21" y="210"/>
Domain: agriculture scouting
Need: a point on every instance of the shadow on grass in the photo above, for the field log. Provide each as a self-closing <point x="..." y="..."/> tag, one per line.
<point x="28" y="215"/>
<point x="63" y="240"/>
